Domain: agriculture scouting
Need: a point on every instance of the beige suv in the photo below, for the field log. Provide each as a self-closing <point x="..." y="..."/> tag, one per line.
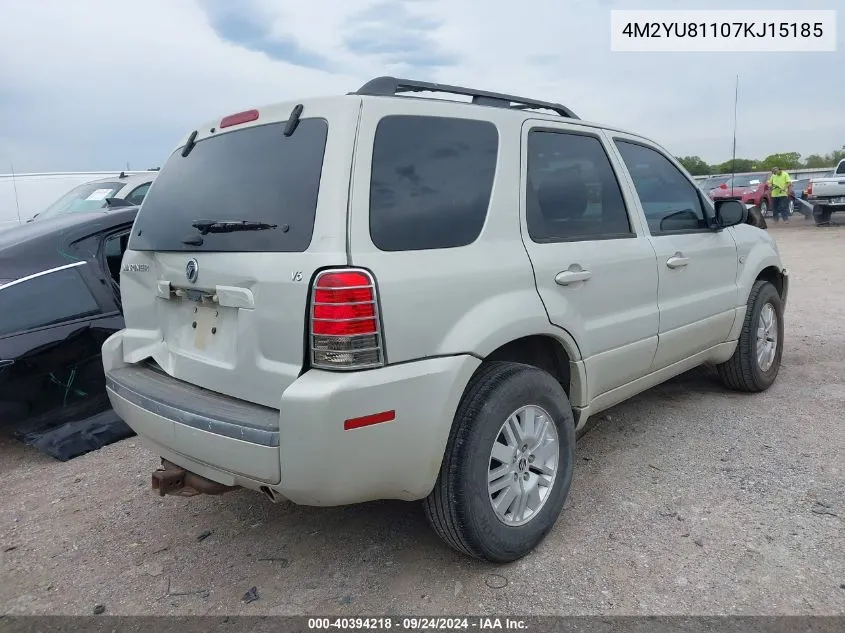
<point x="382" y="296"/>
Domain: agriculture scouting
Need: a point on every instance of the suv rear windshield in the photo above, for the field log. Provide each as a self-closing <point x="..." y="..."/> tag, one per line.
<point x="256" y="174"/>
<point x="88" y="197"/>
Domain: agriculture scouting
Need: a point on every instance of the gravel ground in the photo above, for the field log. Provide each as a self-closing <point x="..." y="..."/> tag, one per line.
<point x="686" y="500"/>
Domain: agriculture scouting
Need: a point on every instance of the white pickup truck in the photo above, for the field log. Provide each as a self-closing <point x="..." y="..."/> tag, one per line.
<point x="827" y="195"/>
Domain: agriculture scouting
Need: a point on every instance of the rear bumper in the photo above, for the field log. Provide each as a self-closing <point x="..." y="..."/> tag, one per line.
<point x="828" y="202"/>
<point x="307" y="457"/>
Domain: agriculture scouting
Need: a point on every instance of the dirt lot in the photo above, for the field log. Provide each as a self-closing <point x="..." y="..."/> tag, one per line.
<point x="686" y="500"/>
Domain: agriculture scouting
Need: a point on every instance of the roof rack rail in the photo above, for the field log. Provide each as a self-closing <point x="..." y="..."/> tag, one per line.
<point x="391" y="86"/>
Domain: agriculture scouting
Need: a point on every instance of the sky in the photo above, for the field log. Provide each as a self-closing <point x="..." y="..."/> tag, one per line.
<point x="100" y="84"/>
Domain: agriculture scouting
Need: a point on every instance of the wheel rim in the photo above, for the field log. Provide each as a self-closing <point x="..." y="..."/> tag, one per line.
<point x="767" y="337"/>
<point x="523" y="465"/>
<point x="764" y="208"/>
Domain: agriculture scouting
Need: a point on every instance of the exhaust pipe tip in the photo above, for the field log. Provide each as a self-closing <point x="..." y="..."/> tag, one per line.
<point x="271" y="494"/>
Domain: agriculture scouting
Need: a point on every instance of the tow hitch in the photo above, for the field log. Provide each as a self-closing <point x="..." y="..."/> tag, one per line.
<point x="171" y="479"/>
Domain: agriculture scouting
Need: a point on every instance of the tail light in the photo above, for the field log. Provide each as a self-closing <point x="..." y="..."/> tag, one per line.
<point x="724" y="185"/>
<point x="346" y="331"/>
<point x="809" y="190"/>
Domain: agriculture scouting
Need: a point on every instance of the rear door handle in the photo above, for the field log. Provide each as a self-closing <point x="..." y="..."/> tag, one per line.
<point x="568" y="277"/>
<point x="677" y="261"/>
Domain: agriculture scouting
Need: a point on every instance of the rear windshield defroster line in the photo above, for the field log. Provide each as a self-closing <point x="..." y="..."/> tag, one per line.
<point x="256" y="173"/>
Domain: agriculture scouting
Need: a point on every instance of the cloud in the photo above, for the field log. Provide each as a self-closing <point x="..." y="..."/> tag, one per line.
<point x="394" y="35"/>
<point x="94" y="84"/>
<point x="245" y="24"/>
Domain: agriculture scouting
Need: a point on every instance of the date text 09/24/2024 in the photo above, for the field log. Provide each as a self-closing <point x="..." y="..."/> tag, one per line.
<point x="417" y="623"/>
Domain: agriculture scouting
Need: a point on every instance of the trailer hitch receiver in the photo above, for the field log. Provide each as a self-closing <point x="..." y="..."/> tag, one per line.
<point x="171" y="479"/>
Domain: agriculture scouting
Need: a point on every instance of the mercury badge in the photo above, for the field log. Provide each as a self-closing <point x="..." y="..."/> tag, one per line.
<point x="192" y="270"/>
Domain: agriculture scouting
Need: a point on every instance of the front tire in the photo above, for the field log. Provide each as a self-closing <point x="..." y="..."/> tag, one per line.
<point x="507" y="469"/>
<point x="756" y="361"/>
<point x="764" y="207"/>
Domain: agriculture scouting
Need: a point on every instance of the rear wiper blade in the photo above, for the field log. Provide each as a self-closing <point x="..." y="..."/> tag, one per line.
<point x="229" y="226"/>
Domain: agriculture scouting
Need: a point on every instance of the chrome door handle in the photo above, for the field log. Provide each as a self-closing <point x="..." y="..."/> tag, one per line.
<point x="568" y="277"/>
<point x="677" y="261"/>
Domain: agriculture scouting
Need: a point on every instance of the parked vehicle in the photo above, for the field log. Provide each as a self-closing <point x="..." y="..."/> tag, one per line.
<point x="59" y="300"/>
<point x="797" y="197"/>
<point x="22" y="195"/>
<point x="827" y="195"/>
<point x="708" y="184"/>
<point x="375" y="296"/>
<point x="750" y="189"/>
<point x="125" y="190"/>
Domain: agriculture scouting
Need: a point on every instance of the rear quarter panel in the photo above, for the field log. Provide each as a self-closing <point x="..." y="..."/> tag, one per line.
<point x="465" y="300"/>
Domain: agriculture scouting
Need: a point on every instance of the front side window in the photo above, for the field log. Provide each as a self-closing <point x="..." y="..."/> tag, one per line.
<point x="572" y="190"/>
<point x="49" y="299"/>
<point x="671" y="203"/>
<point x="88" y="197"/>
<point x="431" y="182"/>
<point x="138" y="194"/>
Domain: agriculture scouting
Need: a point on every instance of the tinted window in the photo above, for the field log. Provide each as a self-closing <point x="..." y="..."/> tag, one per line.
<point x="88" y="197"/>
<point x="256" y="174"/>
<point x="431" y="181"/>
<point x="46" y="300"/>
<point x="138" y="194"/>
<point x="114" y="246"/>
<point x="670" y="201"/>
<point x="572" y="190"/>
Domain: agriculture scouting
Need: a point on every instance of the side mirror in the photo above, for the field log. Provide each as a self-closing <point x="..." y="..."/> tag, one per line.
<point x="730" y="213"/>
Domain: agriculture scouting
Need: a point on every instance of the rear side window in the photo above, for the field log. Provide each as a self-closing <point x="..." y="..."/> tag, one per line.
<point x="256" y="174"/>
<point x="431" y="182"/>
<point x="572" y="190"/>
<point x="46" y="300"/>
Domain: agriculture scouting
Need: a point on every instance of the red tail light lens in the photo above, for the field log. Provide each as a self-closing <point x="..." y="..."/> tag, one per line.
<point x="345" y="323"/>
<point x="237" y="119"/>
<point x="809" y="190"/>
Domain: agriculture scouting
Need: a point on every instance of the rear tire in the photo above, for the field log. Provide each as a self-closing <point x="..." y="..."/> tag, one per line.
<point x="755" y="364"/>
<point x="821" y="215"/>
<point x="764" y="207"/>
<point x="461" y="507"/>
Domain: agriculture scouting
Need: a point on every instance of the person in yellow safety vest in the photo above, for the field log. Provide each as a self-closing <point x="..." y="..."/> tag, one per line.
<point x="779" y="186"/>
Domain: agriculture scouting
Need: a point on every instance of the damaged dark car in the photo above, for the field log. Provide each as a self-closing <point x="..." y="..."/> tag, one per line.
<point x="59" y="301"/>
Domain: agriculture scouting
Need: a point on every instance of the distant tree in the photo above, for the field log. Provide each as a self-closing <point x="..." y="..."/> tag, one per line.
<point x="814" y="161"/>
<point x="695" y="165"/>
<point x="788" y="160"/>
<point x="836" y="156"/>
<point x="739" y="165"/>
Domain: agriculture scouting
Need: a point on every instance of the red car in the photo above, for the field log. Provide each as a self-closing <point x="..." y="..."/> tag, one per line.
<point x="750" y="189"/>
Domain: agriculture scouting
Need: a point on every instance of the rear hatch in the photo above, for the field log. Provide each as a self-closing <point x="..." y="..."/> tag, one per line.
<point x="221" y="307"/>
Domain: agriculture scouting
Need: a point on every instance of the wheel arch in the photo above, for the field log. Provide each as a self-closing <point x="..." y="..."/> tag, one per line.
<point x="554" y="353"/>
